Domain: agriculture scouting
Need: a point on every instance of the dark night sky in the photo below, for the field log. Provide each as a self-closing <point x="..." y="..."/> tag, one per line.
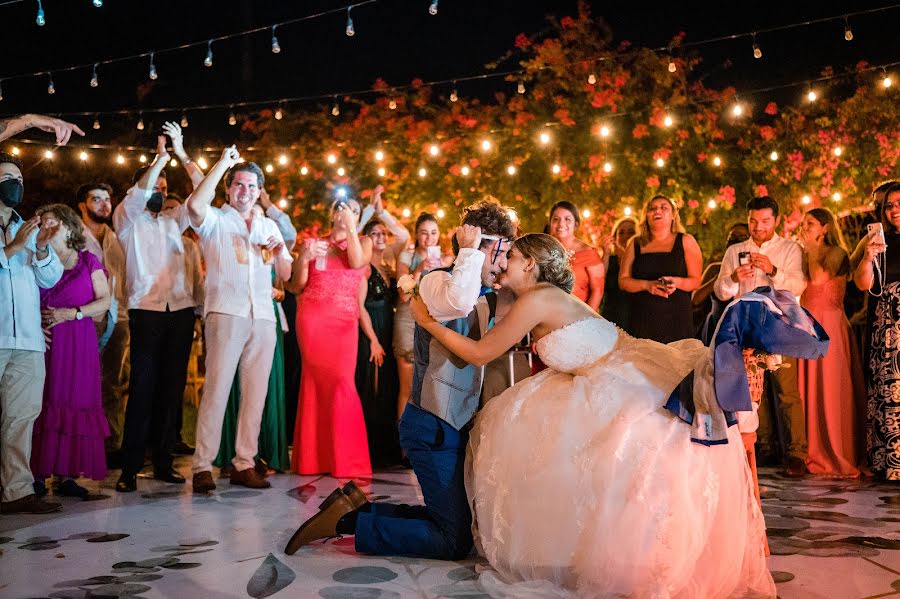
<point x="395" y="39"/>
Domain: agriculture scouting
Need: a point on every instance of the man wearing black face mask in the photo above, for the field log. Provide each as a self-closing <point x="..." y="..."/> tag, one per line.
<point x="95" y="204"/>
<point x="161" y="320"/>
<point x="26" y="263"/>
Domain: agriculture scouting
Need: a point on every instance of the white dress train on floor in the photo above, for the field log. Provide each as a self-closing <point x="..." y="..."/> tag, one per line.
<point x="583" y="485"/>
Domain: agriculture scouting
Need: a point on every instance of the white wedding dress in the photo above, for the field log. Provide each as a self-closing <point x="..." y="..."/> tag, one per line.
<point x="583" y="485"/>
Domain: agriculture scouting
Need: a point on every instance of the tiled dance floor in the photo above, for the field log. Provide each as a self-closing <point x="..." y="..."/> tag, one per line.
<point x="829" y="539"/>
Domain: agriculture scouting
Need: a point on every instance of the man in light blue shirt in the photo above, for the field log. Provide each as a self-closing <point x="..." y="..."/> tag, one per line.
<point x="26" y="263"/>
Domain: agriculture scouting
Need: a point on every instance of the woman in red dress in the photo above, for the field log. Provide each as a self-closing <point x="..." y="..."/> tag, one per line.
<point x="330" y="432"/>
<point x="585" y="260"/>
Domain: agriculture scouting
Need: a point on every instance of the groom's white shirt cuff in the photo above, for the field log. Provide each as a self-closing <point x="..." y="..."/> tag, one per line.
<point x="453" y="295"/>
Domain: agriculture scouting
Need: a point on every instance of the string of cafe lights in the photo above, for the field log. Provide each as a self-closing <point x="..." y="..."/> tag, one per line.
<point x="153" y="72"/>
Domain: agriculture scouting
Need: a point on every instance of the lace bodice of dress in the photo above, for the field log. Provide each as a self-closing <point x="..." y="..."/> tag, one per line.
<point x="578" y="345"/>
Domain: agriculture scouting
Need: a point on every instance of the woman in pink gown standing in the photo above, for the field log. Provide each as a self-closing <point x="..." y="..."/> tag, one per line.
<point x="69" y="434"/>
<point x="832" y="387"/>
<point x="330" y="432"/>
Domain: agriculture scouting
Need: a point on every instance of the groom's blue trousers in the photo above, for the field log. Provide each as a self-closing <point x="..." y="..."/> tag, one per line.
<point x="442" y="528"/>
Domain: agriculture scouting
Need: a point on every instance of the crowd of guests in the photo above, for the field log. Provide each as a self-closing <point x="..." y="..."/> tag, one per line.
<point x="94" y="285"/>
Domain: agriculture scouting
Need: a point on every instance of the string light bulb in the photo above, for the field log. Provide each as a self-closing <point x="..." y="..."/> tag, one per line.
<point x="269" y="168"/>
<point x="331" y="159"/>
<point x="335" y="109"/>
<point x="51" y="89"/>
<point x="83" y="156"/>
<point x="232" y="120"/>
<point x="422" y="172"/>
<point x="40" y="20"/>
<point x="173" y="163"/>
<point x="434" y="150"/>
<point x="607" y="167"/>
<point x="432" y="8"/>
<point x="208" y="61"/>
<point x="392" y="104"/>
<point x="48" y="155"/>
<point x="440" y="213"/>
<point x="304" y="170"/>
<point x="604" y="131"/>
<point x="464" y="171"/>
<point x="757" y="53"/>
<point x="672" y="66"/>
<point x="886" y="82"/>
<point x="201" y="162"/>
<point x="521" y="87"/>
<point x="341" y="171"/>
<point x="379" y="155"/>
<point x="592" y="79"/>
<point x="454" y="96"/>
<point x="142" y="159"/>
<point x="381" y="172"/>
<point x="152" y="72"/>
<point x="737" y="109"/>
<point x="668" y="121"/>
<point x="140" y="123"/>
<point x="283" y="160"/>
<point x="836" y="196"/>
<point x="660" y="162"/>
<point x="511" y="169"/>
<point x="717" y="161"/>
<point x="16" y="151"/>
<point x="848" y="33"/>
<point x="96" y="122"/>
<point x="805" y="199"/>
<point x="184" y="120"/>
<point x="120" y="159"/>
<point x="279" y="114"/>
<point x="838" y="151"/>
<point x="485" y="145"/>
<point x="276" y="47"/>
<point x="350" y="31"/>
<point x="811" y="96"/>
<point x="628" y="211"/>
<point x="95" y="80"/>
<point x="773" y="156"/>
<point x="544" y="138"/>
<point x="406" y="213"/>
<point x="282" y="203"/>
<point x="711" y="204"/>
<point x="556" y="169"/>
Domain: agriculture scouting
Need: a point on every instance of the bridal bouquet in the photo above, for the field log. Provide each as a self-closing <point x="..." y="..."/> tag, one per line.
<point x="407" y="284"/>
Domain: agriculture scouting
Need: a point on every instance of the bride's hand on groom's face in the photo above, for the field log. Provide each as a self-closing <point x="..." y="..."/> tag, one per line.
<point x="420" y="311"/>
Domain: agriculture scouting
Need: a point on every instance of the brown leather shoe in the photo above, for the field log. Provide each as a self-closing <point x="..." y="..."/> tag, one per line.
<point x="323" y="525"/>
<point x="203" y="482"/>
<point x="356" y="495"/>
<point x="796" y="468"/>
<point x="249" y="478"/>
<point x="30" y="504"/>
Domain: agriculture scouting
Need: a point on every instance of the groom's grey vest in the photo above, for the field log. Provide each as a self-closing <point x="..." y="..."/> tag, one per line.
<point x="444" y="384"/>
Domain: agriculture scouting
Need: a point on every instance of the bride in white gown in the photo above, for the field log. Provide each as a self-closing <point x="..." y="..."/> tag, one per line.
<point x="581" y="483"/>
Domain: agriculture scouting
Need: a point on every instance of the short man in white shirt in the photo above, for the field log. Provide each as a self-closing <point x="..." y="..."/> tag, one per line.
<point x="240" y="247"/>
<point x="94" y="201"/>
<point x="161" y="321"/>
<point x="767" y="259"/>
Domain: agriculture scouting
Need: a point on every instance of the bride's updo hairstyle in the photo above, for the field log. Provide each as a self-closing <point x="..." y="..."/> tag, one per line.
<point x="550" y="257"/>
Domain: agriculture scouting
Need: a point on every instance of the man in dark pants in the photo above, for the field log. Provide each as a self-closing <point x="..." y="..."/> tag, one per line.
<point x="434" y="428"/>
<point x="161" y="320"/>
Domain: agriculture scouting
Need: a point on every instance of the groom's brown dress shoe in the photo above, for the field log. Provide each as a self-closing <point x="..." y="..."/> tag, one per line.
<point x="356" y="496"/>
<point x="323" y="525"/>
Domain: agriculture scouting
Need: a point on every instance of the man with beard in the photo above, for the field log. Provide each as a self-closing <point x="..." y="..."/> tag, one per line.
<point x="241" y="247"/>
<point x="95" y="204"/>
<point x="27" y="262"/>
<point x="160" y="318"/>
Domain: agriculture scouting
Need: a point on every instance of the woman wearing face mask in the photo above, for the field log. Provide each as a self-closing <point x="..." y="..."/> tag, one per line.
<point x="831" y="387"/>
<point x="585" y="260"/>
<point x="425" y="256"/>
<point x="616" y="303"/>
<point x="69" y="434"/>
<point x="661" y="267"/>
<point x="330" y="432"/>
<point x="877" y="270"/>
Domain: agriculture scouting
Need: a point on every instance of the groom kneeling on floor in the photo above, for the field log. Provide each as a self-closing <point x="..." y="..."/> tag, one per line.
<point x="434" y="429"/>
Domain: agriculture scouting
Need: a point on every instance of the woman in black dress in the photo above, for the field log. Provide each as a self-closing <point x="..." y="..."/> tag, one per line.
<point x="661" y="266"/>
<point x="616" y="304"/>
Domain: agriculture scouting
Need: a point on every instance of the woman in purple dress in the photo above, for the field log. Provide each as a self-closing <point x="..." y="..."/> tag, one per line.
<point x="69" y="433"/>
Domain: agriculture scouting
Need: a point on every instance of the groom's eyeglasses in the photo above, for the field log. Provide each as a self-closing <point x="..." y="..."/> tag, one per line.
<point x="497" y="250"/>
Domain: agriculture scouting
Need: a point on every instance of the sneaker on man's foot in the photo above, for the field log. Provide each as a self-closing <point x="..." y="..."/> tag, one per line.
<point x="203" y="482"/>
<point x="30" y="504"/>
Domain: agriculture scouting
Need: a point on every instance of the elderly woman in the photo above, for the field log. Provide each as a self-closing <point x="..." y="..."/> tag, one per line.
<point x="661" y="266"/>
<point x="877" y="270"/>
<point x="69" y="434"/>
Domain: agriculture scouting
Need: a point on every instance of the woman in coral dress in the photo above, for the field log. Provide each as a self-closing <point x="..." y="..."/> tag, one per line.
<point x="69" y="434"/>
<point x="832" y="387"/>
<point x="330" y="432"/>
<point x="585" y="260"/>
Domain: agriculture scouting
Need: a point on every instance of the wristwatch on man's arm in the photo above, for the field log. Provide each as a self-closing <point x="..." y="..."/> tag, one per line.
<point x="774" y="271"/>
